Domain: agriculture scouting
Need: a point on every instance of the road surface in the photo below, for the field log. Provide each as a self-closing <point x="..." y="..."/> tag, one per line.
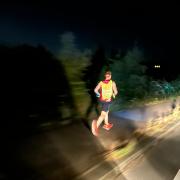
<point x="160" y="163"/>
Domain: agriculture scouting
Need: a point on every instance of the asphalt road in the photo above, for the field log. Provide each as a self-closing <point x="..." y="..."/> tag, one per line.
<point x="64" y="152"/>
<point x="162" y="162"/>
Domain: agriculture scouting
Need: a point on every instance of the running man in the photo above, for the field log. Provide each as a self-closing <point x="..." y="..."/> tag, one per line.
<point x="105" y="90"/>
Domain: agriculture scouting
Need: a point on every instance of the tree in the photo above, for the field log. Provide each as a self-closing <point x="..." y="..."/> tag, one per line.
<point x="129" y="74"/>
<point x="176" y="86"/>
<point x="72" y="57"/>
<point x="74" y="61"/>
<point x="69" y="50"/>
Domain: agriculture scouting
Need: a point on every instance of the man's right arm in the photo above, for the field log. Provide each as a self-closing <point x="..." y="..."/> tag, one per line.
<point x="97" y="88"/>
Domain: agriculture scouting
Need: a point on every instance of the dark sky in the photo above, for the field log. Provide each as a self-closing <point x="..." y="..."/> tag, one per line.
<point x="113" y="25"/>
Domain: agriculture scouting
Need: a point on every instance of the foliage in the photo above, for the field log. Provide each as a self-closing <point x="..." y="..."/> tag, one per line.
<point x="74" y="61"/>
<point x="129" y="74"/>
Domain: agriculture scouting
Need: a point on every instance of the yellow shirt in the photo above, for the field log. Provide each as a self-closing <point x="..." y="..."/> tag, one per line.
<point x="106" y="90"/>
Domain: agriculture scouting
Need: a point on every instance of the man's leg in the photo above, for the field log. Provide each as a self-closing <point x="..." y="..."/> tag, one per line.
<point x="106" y="118"/>
<point x="101" y="118"/>
<point x="107" y="125"/>
<point x="96" y="124"/>
<point x="106" y="108"/>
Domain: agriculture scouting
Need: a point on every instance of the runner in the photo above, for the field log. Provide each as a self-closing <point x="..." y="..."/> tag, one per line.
<point x="105" y="90"/>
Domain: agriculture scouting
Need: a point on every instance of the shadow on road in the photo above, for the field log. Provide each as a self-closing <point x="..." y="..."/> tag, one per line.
<point x="36" y="91"/>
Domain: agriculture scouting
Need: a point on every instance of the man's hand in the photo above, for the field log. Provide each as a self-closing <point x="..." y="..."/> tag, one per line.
<point x="108" y="100"/>
<point x="97" y="95"/>
<point x="113" y="95"/>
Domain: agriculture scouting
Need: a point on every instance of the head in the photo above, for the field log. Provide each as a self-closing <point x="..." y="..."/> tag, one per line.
<point x="107" y="75"/>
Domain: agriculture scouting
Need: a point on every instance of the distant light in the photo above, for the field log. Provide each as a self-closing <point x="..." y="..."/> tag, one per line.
<point x="157" y="66"/>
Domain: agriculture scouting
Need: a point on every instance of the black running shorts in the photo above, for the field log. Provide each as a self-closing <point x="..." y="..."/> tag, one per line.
<point x="105" y="106"/>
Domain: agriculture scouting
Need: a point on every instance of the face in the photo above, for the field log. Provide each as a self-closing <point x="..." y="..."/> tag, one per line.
<point x="107" y="76"/>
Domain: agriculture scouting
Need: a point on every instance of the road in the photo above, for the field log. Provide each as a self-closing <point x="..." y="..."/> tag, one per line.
<point x="162" y="162"/>
<point x="65" y="152"/>
<point x="58" y="152"/>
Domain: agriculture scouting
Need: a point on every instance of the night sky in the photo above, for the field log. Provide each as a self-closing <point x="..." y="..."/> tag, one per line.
<point x="113" y="25"/>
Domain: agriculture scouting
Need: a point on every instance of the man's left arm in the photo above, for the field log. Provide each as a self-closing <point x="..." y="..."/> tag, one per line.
<point x="115" y="91"/>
